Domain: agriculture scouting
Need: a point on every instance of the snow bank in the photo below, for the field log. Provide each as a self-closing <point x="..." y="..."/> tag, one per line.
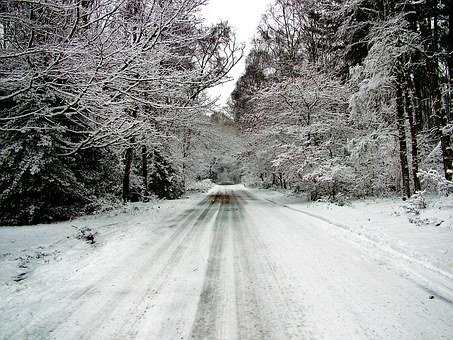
<point x="225" y="189"/>
<point x="23" y="249"/>
<point x="426" y="238"/>
<point x="200" y="186"/>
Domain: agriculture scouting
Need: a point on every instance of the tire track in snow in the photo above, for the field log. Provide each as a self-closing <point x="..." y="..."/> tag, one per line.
<point x="209" y="309"/>
<point x="252" y="324"/>
<point x="283" y="317"/>
<point x="154" y="282"/>
<point x="53" y="321"/>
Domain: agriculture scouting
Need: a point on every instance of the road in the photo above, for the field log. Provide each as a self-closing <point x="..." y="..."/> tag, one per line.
<point x="237" y="266"/>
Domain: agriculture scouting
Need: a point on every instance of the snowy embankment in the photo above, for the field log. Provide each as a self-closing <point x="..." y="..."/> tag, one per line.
<point x="425" y="239"/>
<point x="200" y="186"/>
<point x="24" y="249"/>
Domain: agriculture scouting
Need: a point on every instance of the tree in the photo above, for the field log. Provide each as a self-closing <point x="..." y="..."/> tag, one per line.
<point x="385" y="58"/>
<point x="107" y="76"/>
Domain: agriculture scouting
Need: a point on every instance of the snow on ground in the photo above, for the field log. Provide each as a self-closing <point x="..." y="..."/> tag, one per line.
<point x="385" y="222"/>
<point x="200" y="186"/>
<point x="235" y="263"/>
<point x="416" y="243"/>
<point x="24" y="248"/>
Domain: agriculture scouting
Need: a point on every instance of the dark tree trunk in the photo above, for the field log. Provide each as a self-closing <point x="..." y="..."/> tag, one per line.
<point x="414" y="145"/>
<point x="187" y="136"/>
<point x="439" y="111"/>
<point x="447" y="148"/>
<point x="444" y="136"/>
<point x="400" y="120"/>
<point x="145" y="173"/>
<point x="280" y="179"/>
<point x="128" y="160"/>
<point x="127" y="173"/>
<point x="447" y="152"/>
<point x="450" y="59"/>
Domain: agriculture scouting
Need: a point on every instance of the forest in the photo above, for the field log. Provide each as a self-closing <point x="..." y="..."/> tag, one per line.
<point x="350" y="98"/>
<point x="105" y="102"/>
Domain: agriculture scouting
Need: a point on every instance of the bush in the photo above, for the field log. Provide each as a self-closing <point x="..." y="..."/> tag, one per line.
<point x="201" y="186"/>
<point x="434" y="182"/>
<point x="37" y="186"/>
<point x="86" y="234"/>
<point x="164" y="180"/>
<point x="328" y="181"/>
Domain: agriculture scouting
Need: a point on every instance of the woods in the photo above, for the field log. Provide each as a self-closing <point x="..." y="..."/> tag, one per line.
<point x="226" y="169"/>
<point x="349" y="97"/>
<point x="106" y="100"/>
<point x="97" y="99"/>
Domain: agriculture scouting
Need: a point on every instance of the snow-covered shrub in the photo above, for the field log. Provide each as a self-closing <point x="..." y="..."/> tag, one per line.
<point x="137" y="208"/>
<point x="334" y="181"/>
<point x="418" y="200"/>
<point x="86" y="234"/>
<point x="415" y="203"/>
<point x="107" y="203"/>
<point x="434" y="182"/>
<point x="201" y="186"/>
<point x="413" y="207"/>
<point x="373" y="157"/>
<point x="341" y="200"/>
<point x="165" y="181"/>
<point x="419" y="221"/>
<point x="39" y="185"/>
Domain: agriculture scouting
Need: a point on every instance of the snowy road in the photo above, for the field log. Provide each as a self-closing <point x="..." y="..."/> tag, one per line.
<point x="234" y="266"/>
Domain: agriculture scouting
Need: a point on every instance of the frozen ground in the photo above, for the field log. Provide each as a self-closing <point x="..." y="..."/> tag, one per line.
<point x="22" y="249"/>
<point x="426" y="238"/>
<point x="233" y="264"/>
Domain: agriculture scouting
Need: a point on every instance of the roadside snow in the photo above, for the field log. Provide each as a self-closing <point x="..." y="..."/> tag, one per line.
<point x="200" y="186"/>
<point x="223" y="189"/>
<point x="25" y="248"/>
<point x="249" y="264"/>
<point x="385" y="222"/>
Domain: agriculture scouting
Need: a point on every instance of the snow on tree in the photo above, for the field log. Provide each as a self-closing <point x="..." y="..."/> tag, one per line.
<point x="342" y="87"/>
<point x="103" y="77"/>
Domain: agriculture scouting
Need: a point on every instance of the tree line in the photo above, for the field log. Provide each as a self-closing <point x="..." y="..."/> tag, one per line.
<point x="102" y="99"/>
<point x="350" y="97"/>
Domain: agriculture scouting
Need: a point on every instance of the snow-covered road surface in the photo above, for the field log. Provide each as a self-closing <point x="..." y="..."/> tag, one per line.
<point x="233" y="266"/>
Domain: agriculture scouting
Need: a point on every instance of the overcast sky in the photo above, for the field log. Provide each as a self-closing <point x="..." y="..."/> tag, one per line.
<point x="243" y="16"/>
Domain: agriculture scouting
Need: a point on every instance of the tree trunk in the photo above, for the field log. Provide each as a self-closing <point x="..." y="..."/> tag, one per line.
<point x="127" y="173"/>
<point x="446" y="142"/>
<point x="400" y="119"/>
<point x="450" y="59"/>
<point x="128" y="159"/>
<point x="186" y="141"/>
<point x="440" y="113"/>
<point x="447" y="152"/>
<point x="441" y="120"/>
<point x="414" y="145"/>
<point x="145" y="173"/>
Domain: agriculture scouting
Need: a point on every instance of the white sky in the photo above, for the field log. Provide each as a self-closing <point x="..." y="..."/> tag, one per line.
<point x="243" y="16"/>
